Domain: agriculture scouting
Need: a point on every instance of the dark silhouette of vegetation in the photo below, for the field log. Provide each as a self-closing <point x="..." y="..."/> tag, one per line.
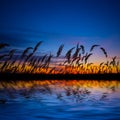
<point x="104" y="51"/>
<point x="3" y="45"/>
<point x="75" y="61"/>
<point x="60" y="50"/>
<point x="91" y="49"/>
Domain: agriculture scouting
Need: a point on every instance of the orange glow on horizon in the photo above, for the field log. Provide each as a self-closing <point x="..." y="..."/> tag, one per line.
<point x="88" y="68"/>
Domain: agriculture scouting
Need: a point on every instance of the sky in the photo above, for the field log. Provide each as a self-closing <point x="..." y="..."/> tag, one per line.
<point x="23" y="23"/>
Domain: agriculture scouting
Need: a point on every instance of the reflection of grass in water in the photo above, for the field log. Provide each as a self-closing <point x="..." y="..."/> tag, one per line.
<point x="59" y="83"/>
<point x="75" y="61"/>
<point x="64" y="90"/>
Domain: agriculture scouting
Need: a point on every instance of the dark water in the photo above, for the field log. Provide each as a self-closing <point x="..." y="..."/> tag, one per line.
<point x="56" y="100"/>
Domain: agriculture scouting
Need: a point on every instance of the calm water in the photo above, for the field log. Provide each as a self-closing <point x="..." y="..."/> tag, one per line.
<point x="56" y="100"/>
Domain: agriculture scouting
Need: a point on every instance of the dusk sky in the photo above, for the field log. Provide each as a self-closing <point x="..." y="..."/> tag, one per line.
<point x="25" y="22"/>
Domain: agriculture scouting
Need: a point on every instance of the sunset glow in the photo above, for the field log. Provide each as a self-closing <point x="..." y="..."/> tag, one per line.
<point x="59" y="59"/>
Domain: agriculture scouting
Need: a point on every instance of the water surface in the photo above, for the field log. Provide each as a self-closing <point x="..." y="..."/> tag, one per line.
<point x="60" y="99"/>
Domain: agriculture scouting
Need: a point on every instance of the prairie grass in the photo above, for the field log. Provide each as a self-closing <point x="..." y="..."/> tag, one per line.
<point x="75" y="61"/>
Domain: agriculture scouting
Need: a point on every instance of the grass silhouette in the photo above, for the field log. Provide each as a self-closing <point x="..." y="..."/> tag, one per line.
<point x="75" y="61"/>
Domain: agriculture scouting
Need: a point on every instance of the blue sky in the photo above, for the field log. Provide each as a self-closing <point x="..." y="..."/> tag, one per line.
<point x="25" y="22"/>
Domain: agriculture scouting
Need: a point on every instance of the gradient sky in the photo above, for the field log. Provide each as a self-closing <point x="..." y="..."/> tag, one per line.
<point x="25" y="22"/>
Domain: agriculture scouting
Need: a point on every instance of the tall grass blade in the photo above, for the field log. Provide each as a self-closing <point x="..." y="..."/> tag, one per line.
<point x="43" y="58"/>
<point x="68" y="54"/>
<point x="83" y="49"/>
<point x="59" y="50"/>
<point x="28" y="57"/>
<point x="75" y="55"/>
<point x="36" y="47"/>
<point x="93" y="46"/>
<point x="104" y="51"/>
<point x="11" y="53"/>
<point x="86" y="58"/>
<point x="25" y="51"/>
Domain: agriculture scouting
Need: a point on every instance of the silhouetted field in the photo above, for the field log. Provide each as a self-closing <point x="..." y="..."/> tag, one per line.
<point x="75" y="62"/>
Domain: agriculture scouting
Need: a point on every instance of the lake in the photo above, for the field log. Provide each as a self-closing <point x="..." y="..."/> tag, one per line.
<point x="60" y="99"/>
